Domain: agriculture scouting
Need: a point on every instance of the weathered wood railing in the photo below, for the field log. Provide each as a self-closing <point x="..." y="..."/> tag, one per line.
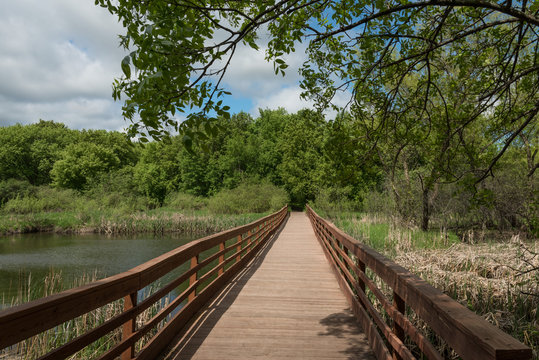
<point x="202" y="280"/>
<point x="466" y="333"/>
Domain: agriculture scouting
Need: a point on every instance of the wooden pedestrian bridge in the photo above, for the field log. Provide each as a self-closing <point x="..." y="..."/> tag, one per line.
<point x="266" y="291"/>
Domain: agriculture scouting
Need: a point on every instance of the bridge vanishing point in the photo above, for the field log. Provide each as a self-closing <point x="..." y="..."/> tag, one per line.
<point x="266" y="291"/>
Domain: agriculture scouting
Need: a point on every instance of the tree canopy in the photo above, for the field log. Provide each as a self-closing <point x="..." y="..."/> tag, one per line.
<point x="395" y="59"/>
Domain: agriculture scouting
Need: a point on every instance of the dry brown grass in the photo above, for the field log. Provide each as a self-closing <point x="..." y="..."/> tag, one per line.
<point x="498" y="281"/>
<point x="496" y="275"/>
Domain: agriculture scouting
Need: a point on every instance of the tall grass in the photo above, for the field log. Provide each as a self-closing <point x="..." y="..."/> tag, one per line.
<point x="58" y="210"/>
<point x="495" y="280"/>
<point x="388" y="234"/>
<point x="248" y="198"/>
<point x="37" y="346"/>
<point x="498" y="280"/>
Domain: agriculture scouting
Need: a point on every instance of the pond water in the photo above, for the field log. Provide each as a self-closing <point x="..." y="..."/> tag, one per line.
<point x="34" y="256"/>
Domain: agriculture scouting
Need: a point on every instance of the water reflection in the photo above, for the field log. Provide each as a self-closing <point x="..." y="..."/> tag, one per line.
<point x="74" y="256"/>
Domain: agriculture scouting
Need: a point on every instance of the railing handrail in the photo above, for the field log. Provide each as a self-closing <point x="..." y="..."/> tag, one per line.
<point x="23" y="321"/>
<point x="471" y="336"/>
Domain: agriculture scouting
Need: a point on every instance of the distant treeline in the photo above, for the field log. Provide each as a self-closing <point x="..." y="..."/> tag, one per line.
<point x="332" y="163"/>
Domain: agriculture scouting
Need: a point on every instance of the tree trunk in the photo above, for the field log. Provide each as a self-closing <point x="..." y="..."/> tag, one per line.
<point x="426" y="209"/>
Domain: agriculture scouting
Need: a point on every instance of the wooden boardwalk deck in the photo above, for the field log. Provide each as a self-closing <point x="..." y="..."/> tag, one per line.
<point x="285" y="304"/>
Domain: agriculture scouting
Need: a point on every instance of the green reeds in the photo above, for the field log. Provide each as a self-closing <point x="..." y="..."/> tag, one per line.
<point x="156" y="221"/>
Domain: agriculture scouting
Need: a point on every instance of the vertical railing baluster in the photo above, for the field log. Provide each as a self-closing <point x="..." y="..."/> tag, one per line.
<point x="361" y="266"/>
<point x="221" y="258"/>
<point x="193" y="278"/>
<point x="238" y="249"/>
<point x="400" y="305"/>
<point x="129" y="327"/>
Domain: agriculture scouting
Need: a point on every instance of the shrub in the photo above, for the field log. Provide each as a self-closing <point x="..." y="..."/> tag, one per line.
<point x="45" y="198"/>
<point x="183" y="201"/>
<point x="378" y="202"/>
<point x="335" y="200"/>
<point x="248" y="198"/>
<point x="11" y="188"/>
<point x="118" y="190"/>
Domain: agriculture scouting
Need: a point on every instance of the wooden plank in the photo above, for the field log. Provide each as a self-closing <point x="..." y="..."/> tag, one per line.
<point x="21" y="322"/>
<point x="193" y="278"/>
<point x="164" y="336"/>
<point x="130" y="301"/>
<point x="467" y="333"/>
<point x="286" y="304"/>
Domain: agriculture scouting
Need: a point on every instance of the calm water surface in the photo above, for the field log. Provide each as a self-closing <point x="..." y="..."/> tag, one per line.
<point x="34" y="255"/>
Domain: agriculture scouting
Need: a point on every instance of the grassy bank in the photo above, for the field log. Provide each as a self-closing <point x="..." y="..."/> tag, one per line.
<point x="496" y="277"/>
<point x="109" y="222"/>
<point x="49" y="209"/>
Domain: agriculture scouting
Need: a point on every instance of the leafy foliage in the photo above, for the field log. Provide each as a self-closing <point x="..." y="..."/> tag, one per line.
<point x="80" y="163"/>
<point x="337" y="163"/>
<point x="389" y="57"/>
<point x="248" y="198"/>
<point x="29" y="152"/>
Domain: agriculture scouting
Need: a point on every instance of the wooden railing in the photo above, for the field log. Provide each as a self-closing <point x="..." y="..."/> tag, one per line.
<point x="469" y="335"/>
<point x="225" y="254"/>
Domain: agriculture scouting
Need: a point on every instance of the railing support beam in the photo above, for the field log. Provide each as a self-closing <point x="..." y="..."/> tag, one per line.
<point x="130" y="301"/>
<point x="193" y="279"/>
<point x="221" y="259"/>
<point x="238" y="249"/>
<point x="400" y="305"/>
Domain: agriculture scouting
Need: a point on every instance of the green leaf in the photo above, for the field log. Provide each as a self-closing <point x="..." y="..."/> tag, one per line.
<point x="149" y="29"/>
<point x="187" y="142"/>
<point x="125" y="67"/>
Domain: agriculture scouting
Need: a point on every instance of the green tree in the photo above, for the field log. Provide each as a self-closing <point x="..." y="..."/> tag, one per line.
<point x="28" y="152"/>
<point x="301" y="166"/>
<point x="269" y="128"/>
<point x="351" y="167"/>
<point x="82" y="163"/>
<point x="180" y="54"/>
<point x="423" y="145"/>
<point x="115" y="141"/>
<point x="157" y="172"/>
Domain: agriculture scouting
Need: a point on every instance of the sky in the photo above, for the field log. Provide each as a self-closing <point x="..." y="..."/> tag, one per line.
<point x="58" y="59"/>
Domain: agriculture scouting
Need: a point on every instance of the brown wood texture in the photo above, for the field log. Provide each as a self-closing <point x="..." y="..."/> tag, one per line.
<point x="130" y="301"/>
<point x="21" y="322"/>
<point x="167" y="333"/>
<point x="285" y="305"/>
<point x="468" y="334"/>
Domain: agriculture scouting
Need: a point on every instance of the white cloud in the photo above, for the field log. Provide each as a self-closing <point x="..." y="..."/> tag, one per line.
<point x="57" y="61"/>
<point x="80" y="113"/>
<point x="287" y="98"/>
<point x="249" y="74"/>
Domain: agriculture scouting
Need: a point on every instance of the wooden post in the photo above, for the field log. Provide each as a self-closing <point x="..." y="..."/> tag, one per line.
<point x="257" y="232"/>
<point x="221" y="258"/>
<point x="249" y="233"/>
<point x="400" y="305"/>
<point x="193" y="278"/>
<point x="238" y="249"/>
<point x="361" y="266"/>
<point x="129" y="327"/>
